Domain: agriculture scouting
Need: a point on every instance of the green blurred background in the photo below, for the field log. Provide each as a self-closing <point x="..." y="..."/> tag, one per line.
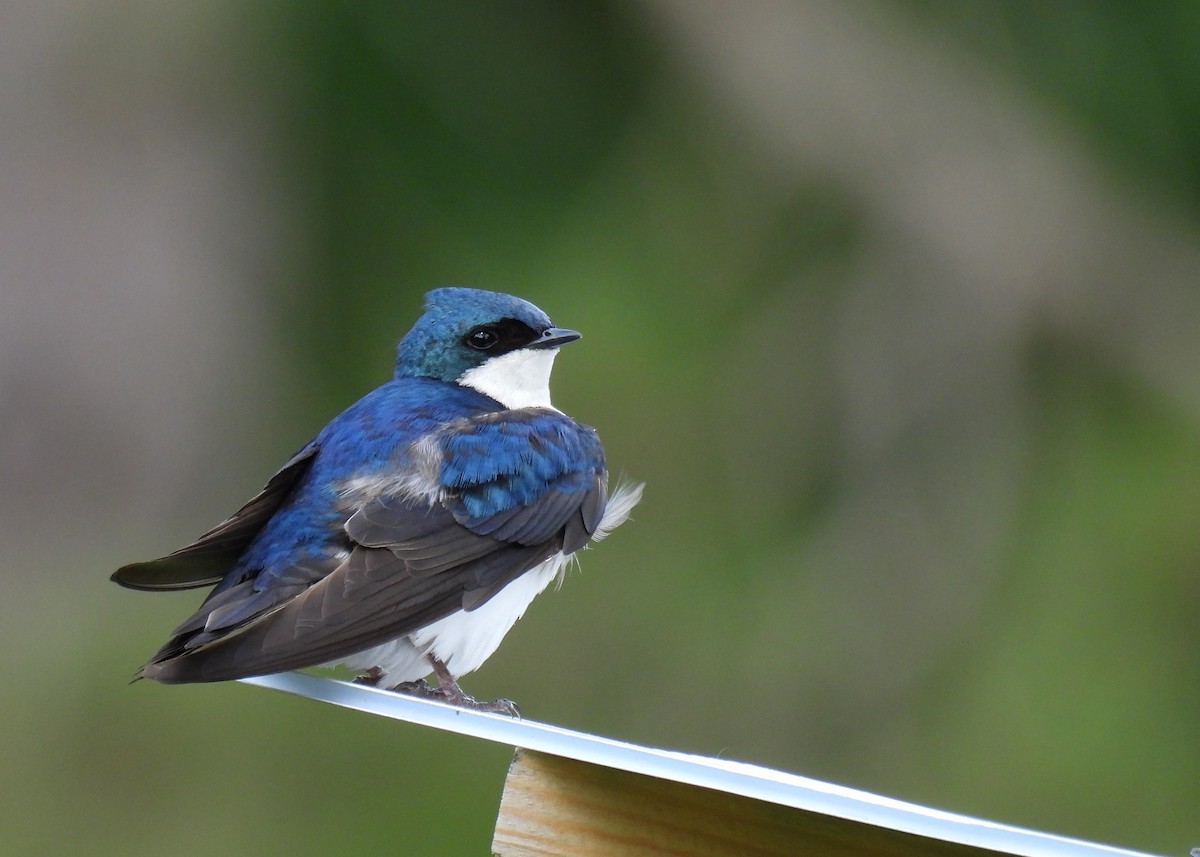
<point x="893" y="305"/>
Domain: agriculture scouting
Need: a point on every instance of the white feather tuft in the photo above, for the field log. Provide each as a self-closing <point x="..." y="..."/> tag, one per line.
<point x="620" y="504"/>
<point x="419" y="481"/>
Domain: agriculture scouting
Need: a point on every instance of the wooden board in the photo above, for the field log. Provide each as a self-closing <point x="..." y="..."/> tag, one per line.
<point x="554" y="806"/>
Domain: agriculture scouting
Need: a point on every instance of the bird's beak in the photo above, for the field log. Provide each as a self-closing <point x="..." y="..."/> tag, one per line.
<point x="554" y="337"/>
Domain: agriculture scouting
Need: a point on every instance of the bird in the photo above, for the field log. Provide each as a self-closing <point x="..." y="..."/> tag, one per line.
<point x="408" y="537"/>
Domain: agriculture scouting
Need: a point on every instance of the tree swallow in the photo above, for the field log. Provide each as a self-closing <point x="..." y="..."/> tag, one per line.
<point x="410" y="535"/>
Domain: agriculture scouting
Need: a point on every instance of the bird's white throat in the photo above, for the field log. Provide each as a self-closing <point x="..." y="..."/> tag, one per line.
<point x="518" y="379"/>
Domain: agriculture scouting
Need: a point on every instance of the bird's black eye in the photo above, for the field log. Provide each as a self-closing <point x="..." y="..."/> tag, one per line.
<point x="482" y="338"/>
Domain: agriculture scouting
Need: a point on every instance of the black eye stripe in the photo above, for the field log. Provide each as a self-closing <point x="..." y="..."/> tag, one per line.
<point x="500" y="337"/>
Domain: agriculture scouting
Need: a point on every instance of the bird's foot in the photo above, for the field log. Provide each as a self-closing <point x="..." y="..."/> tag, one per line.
<point x="453" y="694"/>
<point x="456" y="697"/>
<point x="450" y="693"/>
<point x="371" y="678"/>
<point x="419" y="688"/>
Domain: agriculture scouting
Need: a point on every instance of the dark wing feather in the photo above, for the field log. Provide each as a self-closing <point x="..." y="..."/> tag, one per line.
<point x="206" y="560"/>
<point x="389" y="520"/>
<point x="426" y="538"/>
<point x="353" y="608"/>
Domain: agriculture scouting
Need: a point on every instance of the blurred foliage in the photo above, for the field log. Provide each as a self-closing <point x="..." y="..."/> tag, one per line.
<point x="980" y="599"/>
<point x="435" y="144"/>
<point x="1126" y="74"/>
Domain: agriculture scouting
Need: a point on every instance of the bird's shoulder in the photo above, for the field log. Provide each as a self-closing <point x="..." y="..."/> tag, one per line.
<point x="411" y="406"/>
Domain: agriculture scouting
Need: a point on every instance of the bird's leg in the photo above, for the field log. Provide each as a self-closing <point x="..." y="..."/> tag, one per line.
<point x="449" y="690"/>
<point x="448" y="686"/>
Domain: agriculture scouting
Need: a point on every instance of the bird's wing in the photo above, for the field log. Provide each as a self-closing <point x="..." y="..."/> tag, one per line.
<point x="206" y="560"/>
<point x="519" y="477"/>
<point x="511" y="490"/>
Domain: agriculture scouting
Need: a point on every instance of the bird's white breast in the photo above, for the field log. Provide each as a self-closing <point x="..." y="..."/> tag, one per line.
<point x="463" y="640"/>
<point x="518" y="379"/>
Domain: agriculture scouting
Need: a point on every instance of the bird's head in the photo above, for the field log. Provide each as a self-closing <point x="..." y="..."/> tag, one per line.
<point x="498" y="344"/>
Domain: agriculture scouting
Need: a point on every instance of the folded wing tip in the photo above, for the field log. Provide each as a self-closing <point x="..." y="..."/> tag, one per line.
<point x="164" y="575"/>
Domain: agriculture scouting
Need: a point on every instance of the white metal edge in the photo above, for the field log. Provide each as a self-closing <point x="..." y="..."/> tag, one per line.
<point x="736" y="778"/>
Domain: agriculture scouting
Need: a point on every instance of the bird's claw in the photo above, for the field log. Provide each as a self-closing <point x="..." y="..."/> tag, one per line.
<point x="495" y="706"/>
